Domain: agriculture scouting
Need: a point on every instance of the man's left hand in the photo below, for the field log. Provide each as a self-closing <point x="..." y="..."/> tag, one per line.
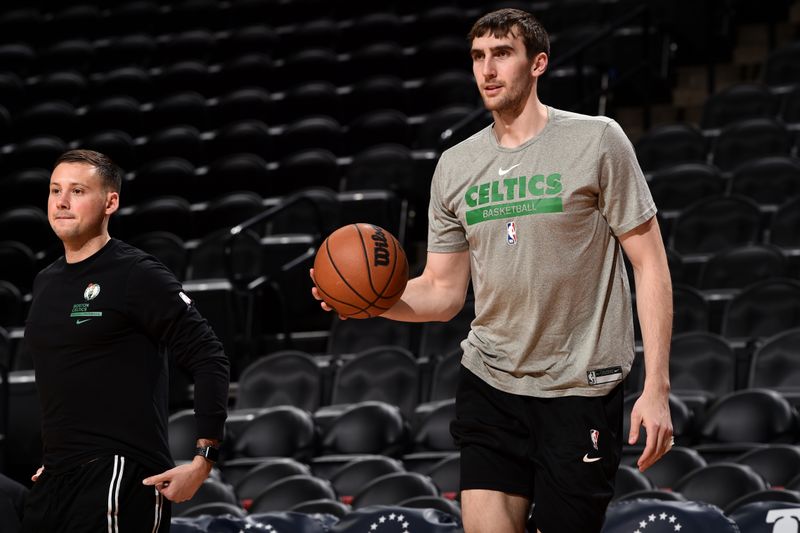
<point x="180" y="483"/>
<point x="651" y="410"/>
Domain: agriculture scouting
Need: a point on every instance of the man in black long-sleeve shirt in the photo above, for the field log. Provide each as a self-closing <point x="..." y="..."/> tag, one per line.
<point x="102" y="321"/>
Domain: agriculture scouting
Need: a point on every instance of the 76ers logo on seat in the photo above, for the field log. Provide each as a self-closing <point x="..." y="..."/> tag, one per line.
<point x="511" y="233"/>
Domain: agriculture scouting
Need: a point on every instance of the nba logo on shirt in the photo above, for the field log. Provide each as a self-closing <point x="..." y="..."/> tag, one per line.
<point x="511" y="233"/>
<point x="595" y="436"/>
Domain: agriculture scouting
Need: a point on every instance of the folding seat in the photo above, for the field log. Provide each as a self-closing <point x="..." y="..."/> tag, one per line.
<point x="228" y="210"/>
<point x="249" y="70"/>
<point x="775" y="364"/>
<point x="679" y="461"/>
<point x="166" y="247"/>
<point x="314" y="167"/>
<point x="11" y="311"/>
<point x="163" y="213"/>
<point x="715" y="223"/>
<point x="675" y="187"/>
<point x="446" y="475"/>
<point x="265" y="474"/>
<point x="25" y="187"/>
<point x="768" y="180"/>
<point x="771" y="496"/>
<point x="441" y="20"/>
<point x="244" y="104"/>
<point x="185" y="76"/>
<point x="350" y="478"/>
<point x="211" y="491"/>
<point x="789" y="107"/>
<point x="75" y="54"/>
<point x="48" y="118"/>
<point x="291" y="491"/>
<point x="354" y="336"/>
<point x="23" y="440"/>
<point x="17" y="264"/>
<point x="133" y="16"/>
<point x="188" y="107"/>
<point x="224" y="509"/>
<point x="447" y="88"/>
<point x="166" y="176"/>
<point x="720" y="483"/>
<point x="66" y="85"/>
<point x="318" y="132"/>
<point x="782" y="66"/>
<point x="748" y="139"/>
<point x="382" y="373"/>
<point x="208" y="259"/>
<point x="244" y="136"/>
<point x="319" y="32"/>
<point x="19" y="23"/>
<point x="690" y="310"/>
<point x="253" y="38"/>
<point x="18" y="58"/>
<point x="281" y="431"/>
<point x="192" y="45"/>
<point x="360" y="428"/>
<point x="115" y="112"/>
<point x="391" y="489"/>
<point x="432" y="55"/>
<point x="38" y="152"/>
<point x="116" y="144"/>
<point x="701" y="363"/>
<point x="444" y="380"/>
<point x="311" y="64"/>
<point x="738" y="102"/>
<point x="182" y="432"/>
<point x="29" y="226"/>
<point x="776" y="463"/>
<point x="286" y="377"/>
<point x="385" y="166"/>
<point x="181" y="142"/>
<point x="12" y="91"/>
<point x="383" y="208"/>
<point x="785" y="221"/>
<point x="235" y="172"/>
<point x="443" y="338"/>
<point x="131" y="81"/>
<point x="670" y="144"/>
<point x="323" y="506"/>
<point x="378" y="59"/>
<point x="132" y="50"/>
<point x="749" y="416"/>
<point x="372" y="28"/>
<point x="735" y="268"/>
<point x="763" y="309"/>
<point x="429" y="133"/>
<point x="309" y="99"/>
<point x="572" y="89"/>
<point x="5" y="123"/>
<point x="312" y="211"/>
<point x="376" y="92"/>
<point x="74" y="21"/>
<point x="627" y="480"/>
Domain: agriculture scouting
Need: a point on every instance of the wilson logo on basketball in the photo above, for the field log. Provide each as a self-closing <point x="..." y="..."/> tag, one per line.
<point x="380" y="252"/>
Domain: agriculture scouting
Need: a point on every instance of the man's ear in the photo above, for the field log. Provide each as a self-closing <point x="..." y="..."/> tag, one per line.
<point x="112" y="202"/>
<point x="539" y="64"/>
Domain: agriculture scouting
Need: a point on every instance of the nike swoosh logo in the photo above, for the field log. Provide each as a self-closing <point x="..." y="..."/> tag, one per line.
<point x="587" y="459"/>
<point x="82" y="321"/>
<point x="503" y="171"/>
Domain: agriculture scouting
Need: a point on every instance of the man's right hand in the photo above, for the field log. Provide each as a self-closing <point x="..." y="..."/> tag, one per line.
<point x="38" y="473"/>
<point x="315" y="294"/>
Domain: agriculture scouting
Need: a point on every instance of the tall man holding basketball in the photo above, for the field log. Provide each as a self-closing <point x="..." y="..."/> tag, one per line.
<point x="102" y="321"/>
<point x="536" y="209"/>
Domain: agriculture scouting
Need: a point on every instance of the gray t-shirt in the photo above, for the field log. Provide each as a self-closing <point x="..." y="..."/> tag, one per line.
<point x="541" y="221"/>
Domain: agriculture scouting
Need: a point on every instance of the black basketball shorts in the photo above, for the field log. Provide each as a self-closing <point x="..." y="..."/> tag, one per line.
<point x="560" y="453"/>
<point x="103" y="495"/>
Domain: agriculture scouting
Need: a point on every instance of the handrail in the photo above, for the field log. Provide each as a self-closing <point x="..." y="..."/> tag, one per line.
<point x="575" y="54"/>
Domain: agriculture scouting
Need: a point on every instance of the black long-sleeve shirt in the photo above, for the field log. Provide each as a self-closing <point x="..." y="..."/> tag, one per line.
<point x="100" y="332"/>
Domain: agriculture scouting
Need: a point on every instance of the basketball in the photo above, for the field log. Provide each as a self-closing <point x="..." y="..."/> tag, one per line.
<point x="360" y="270"/>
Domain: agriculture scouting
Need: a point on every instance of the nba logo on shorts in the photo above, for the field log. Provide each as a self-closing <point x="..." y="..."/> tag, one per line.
<point x="595" y="436"/>
<point x="511" y="233"/>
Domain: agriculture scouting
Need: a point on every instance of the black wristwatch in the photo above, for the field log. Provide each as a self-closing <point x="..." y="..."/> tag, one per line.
<point x="210" y="453"/>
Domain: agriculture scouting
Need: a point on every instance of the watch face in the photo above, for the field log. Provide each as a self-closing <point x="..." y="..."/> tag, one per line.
<point x="209" y="452"/>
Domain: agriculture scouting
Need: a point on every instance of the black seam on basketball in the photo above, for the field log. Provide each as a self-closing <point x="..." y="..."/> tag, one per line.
<point x="366" y="258"/>
<point x="326" y="293"/>
<point x="333" y="263"/>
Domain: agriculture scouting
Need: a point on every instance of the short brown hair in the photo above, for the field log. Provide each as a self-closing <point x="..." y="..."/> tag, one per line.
<point x="109" y="172"/>
<point x="504" y="21"/>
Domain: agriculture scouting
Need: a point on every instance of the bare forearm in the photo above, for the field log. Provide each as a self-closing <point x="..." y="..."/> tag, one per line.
<point x="426" y="300"/>
<point x="654" y="306"/>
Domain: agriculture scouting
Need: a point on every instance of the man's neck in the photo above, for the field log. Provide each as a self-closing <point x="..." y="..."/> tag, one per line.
<point x="513" y="128"/>
<point x="77" y="252"/>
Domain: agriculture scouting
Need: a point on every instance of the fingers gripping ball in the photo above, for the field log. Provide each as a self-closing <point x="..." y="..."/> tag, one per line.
<point x="361" y="270"/>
